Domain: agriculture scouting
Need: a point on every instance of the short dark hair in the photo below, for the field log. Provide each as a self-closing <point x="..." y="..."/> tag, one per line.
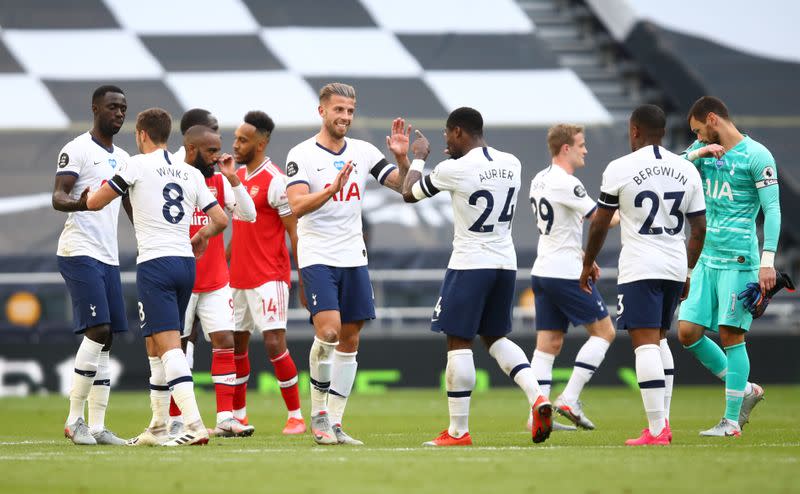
<point x="705" y="105"/>
<point x="650" y="119"/>
<point x="102" y="90"/>
<point x="156" y="122"/>
<point x="261" y="121"/>
<point x="468" y="119"/>
<point x="195" y="116"/>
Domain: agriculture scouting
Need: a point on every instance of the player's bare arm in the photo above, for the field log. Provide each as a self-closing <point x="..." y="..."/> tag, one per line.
<point x="715" y="150"/>
<point x="101" y="198"/>
<point x="218" y="222"/>
<point x="421" y="148"/>
<point x="397" y="143"/>
<point x="126" y="204"/>
<point x="61" y="199"/>
<point x="303" y="201"/>
<point x="290" y="223"/>
<point x="614" y="219"/>
<point x="597" y="236"/>
<point x="697" y="238"/>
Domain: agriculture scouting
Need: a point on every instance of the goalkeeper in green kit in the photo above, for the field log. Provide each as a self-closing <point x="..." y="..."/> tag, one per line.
<point x="731" y="282"/>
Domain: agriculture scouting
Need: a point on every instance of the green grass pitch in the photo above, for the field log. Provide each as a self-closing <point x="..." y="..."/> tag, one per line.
<point x="35" y="458"/>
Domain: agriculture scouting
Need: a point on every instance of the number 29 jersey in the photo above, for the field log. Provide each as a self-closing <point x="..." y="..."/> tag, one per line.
<point x="164" y="193"/>
<point x="655" y="190"/>
<point x="560" y="204"/>
<point x="483" y="185"/>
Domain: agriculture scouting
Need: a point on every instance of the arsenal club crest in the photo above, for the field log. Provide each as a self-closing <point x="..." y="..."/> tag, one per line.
<point x="213" y="190"/>
<point x="254" y="191"/>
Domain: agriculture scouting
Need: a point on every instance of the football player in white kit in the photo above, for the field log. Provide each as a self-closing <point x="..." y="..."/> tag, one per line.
<point x="477" y="293"/>
<point x="560" y="205"/>
<point x="164" y="194"/>
<point x="657" y="193"/>
<point x="88" y="259"/>
<point x="326" y="184"/>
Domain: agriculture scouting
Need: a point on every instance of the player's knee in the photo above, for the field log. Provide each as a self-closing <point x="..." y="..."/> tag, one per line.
<point x="99" y="334"/>
<point x="221" y="339"/>
<point x="328" y="334"/>
<point x="549" y="341"/>
<point x="275" y="342"/>
<point x="688" y="335"/>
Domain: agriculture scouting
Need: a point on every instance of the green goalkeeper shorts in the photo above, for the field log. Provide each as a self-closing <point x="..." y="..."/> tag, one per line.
<point x="712" y="298"/>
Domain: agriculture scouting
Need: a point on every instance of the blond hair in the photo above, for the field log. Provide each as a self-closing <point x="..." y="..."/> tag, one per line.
<point x="561" y="134"/>
<point x="336" y="88"/>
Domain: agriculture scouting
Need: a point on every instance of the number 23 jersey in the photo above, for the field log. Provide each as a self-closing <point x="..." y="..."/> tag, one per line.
<point x="655" y="190"/>
<point x="164" y="193"/>
<point x="483" y="185"/>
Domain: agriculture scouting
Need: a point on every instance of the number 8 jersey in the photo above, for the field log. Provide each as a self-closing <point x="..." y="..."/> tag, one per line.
<point x="560" y="204"/>
<point x="655" y="190"/>
<point x="483" y="184"/>
<point x="164" y="193"/>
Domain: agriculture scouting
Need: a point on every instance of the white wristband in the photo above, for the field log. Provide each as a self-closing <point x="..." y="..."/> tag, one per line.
<point x="689" y="272"/>
<point x="693" y="155"/>
<point x="767" y="259"/>
<point x="417" y="165"/>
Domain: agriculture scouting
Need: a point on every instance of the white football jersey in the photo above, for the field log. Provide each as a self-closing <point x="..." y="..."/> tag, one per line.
<point x="90" y="233"/>
<point x="164" y="193"/>
<point x="560" y="204"/>
<point x="332" y="235"/>
<point x="655" y="190"/>
<point x="483" y="186"/>
<point x="180" y="154"/>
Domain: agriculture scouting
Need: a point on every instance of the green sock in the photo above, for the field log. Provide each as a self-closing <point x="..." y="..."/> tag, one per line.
<point x="736" y="380"/>
<point x="710" y="355"/>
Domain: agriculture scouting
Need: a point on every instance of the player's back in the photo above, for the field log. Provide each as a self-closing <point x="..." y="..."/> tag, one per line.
<point x="164" y="193"/>
<point x="484" y="184"/>
<point x="655" y="191"/>
<point x="560" y="204"/>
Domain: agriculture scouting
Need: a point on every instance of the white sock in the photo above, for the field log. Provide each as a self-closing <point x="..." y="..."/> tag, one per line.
<point x="98" y="396"/>
<point x="542" y="365"/>
<point x="343" y="373"/>
<point x="159" y="393"/>
<point x="460" y="379"/>
<point x="319" y="370"/>
<point x="515" y="364"/>
<point x="650" y="374"/>
<point x="589" y="358"/>
<point x="190" y="354"/>
<point x="669" y="374"/>
<point x="747" y="389"/>
<point x="86" y="363"/>
<point x="179" y="380"/>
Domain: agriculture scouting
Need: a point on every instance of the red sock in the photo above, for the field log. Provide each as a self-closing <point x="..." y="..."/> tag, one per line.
<point x="242" y="376"/>
<point x="174" y="411"/>
<point x="223" y="373"/>
<point x="286" y="372"/>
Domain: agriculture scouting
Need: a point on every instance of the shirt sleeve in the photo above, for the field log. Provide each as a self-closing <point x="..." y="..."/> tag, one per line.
<point x="765" y="175"/>
<point x="70" y="160"/>
<point x="610" y="189"/>
<point x="277" y="197"/>
<point x="296" y="172"/>
<point x="574" y="196"/>
<point x="379" y="167"/>
<point x="763" y="169"/>
<point x="443" y="177"/>
<point x="697" y="200"/>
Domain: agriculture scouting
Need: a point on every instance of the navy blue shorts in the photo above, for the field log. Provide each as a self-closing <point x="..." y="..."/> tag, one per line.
<point x="560" y="302"/>
<point x="164" y="286"/>
<point x="96" y="293"/>
<point x="347" y="290"/>
<point x="475" y="302"/>
<point x="647" y="303"/>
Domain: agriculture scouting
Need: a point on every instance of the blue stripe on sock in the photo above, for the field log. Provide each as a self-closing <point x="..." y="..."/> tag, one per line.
<point x="669" y="372"/>
<point x="85" y="373"/>
<point x="518" y="368"/>
<point x="178" y="380"/>
<point x="585" y="366"/>
<point x="542" y="382"/>
<point x="331" y="391"/>
<point x="656" y="383"/>
<point x="102" y="382"/>
<point x="459" y="394"/>
<point x="159" y="387"/>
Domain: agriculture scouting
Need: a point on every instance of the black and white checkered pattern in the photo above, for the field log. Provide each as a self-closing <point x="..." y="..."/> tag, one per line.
<point x="414" y="58"/>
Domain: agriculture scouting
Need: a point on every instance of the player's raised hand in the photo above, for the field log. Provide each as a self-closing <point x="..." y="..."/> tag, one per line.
<point x="686" y="286"/>
<point x="83" y="199"/>
<point x="421" y="147"/>
<point x="227" y="166"/>
<point x="341" y="178"/>
<point x="586" y="275"/>
<point x="199" y="245"/>
<point x="398" y="141"/>
<point x="714" y="150"/>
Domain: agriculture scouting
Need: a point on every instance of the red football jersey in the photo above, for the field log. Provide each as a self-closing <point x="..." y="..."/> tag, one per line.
<point x="258" y="250"/>
<point x="211" y="270"/>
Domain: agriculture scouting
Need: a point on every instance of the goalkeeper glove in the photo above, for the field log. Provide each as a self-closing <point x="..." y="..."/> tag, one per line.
<point x="755" y="302"/>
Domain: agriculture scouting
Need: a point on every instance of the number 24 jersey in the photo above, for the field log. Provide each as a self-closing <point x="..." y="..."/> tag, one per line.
<point x="655" y="191"/>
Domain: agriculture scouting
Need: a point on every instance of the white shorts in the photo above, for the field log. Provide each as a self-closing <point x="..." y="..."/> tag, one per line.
<point x="263" y="308"/>
<point x="214" y="310"/>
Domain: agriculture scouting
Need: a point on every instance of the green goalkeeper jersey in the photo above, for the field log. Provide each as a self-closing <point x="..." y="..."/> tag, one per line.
<point x="737" y="185"/>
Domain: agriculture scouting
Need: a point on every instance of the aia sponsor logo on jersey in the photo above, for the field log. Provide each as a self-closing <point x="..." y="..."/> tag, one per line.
<point x="254" y="191"/>
<point x="352" y="193"/>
